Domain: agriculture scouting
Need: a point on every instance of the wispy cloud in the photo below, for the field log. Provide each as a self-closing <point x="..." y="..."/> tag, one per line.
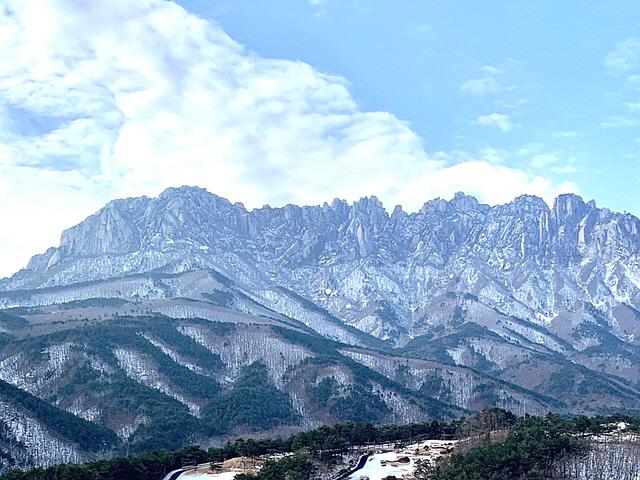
<point x="619" y="121"/>
<point x="490" y="81"/>
<point x="481" y="86"/>
<point x="511" y="104"/>
<point x="496" y="120"/>
<point x="564" y="169"/>
<point x="544" y="160"/>
<point x="634" y="106"/>
<point x="624" y="57"/>
<point x="492" y="155"/>
<point x="487" y="83"/>
<point x="554" y="163"/>
<point x="529" y="149"/>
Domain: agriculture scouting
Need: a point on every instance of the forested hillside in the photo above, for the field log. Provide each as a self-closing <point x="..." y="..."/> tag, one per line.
<point x="550" y="447"/>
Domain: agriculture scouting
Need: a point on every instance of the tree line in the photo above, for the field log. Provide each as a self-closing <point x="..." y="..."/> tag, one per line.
<point x="308" y="445"/>
<point x="551" y="447"/>
<point x="534" y="448"/>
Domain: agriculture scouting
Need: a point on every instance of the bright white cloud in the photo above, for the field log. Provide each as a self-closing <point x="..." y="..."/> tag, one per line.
<point x="496" y="120"/>
<point x="492" y="183"/>
<point x="108" y="99"/>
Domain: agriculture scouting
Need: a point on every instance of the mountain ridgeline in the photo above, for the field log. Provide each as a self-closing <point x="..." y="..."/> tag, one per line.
<point x="155" y="315"/>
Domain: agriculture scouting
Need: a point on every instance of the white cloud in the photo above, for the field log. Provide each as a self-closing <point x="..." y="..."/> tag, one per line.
<point x="491" y="81"/>
<point x="564" y="169"/>
<point x="634" y="106"/>
<point x="518" y="102"/>
<point x="618" y="121"/>
<point x="544" y="160"/>
<point x="492" y="183"/>
<point x="35" y="205"/>
<point x="496" y="120"/>
<point x="551" y="161"/>
<point x="127" y="98"/>
<point x="624" y="57"/>
<point x="492" y="155"/>
<point x="530" y="149"/>
<point x="481" y="86"/>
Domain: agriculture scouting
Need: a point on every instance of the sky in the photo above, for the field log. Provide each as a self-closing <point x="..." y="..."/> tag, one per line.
<point x="301" y="101"/>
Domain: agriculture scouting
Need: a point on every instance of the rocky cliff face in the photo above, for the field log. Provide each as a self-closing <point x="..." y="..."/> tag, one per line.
<point x="457" y="306"/>
<point x="376" y="271"/>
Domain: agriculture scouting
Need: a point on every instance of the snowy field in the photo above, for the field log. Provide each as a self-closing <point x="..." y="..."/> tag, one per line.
<point x="402" y="463"/>
<point x="203" y="475"/>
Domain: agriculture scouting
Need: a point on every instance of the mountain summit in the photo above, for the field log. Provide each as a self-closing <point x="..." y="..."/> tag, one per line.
<point x="377" y="272"/>
<point x="176" y="307"/>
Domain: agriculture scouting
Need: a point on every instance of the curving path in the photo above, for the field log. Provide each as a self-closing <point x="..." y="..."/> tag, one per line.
<point x="174" y="475"/>
<point x="362" y="461"/>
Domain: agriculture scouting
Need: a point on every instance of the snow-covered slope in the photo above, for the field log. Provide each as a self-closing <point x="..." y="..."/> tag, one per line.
<point x="376" y="271"/>
<point x="33" y="432"/>
<point x="457" y="306"/>
<point x="566" y="278"/>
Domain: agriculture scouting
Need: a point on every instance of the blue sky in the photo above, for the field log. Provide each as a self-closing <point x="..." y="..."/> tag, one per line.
<point x="303" y="101"/>
<point x="414" y="59"/>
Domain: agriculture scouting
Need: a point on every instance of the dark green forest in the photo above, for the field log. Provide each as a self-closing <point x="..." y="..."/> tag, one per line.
<point x="308" y="446"/>
<point x="86" y="434"/>
<point x="530" y="449"/>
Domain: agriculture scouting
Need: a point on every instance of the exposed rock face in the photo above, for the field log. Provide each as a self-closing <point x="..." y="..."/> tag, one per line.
<point x="376" y="271"/>
<point x="457" y="306"/>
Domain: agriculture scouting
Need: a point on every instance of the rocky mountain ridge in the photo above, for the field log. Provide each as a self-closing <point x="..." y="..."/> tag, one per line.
<point x="376" y="271"/>
<point x="174" y="300"/>
<point x="569" y="230"/>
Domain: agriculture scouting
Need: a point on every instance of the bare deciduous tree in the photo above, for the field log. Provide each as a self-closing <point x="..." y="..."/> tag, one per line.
<point x="609" y="458"/>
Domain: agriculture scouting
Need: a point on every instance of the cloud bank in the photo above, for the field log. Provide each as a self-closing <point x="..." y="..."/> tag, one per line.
<point x="100" y="100"/>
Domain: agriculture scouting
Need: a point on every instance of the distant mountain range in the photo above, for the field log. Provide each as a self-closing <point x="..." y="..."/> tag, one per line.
<point x="178" y="318"/>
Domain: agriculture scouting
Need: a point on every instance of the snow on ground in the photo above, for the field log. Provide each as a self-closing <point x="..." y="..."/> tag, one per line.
<point x="201" y="475"/>
<point x="381" y="465"/>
